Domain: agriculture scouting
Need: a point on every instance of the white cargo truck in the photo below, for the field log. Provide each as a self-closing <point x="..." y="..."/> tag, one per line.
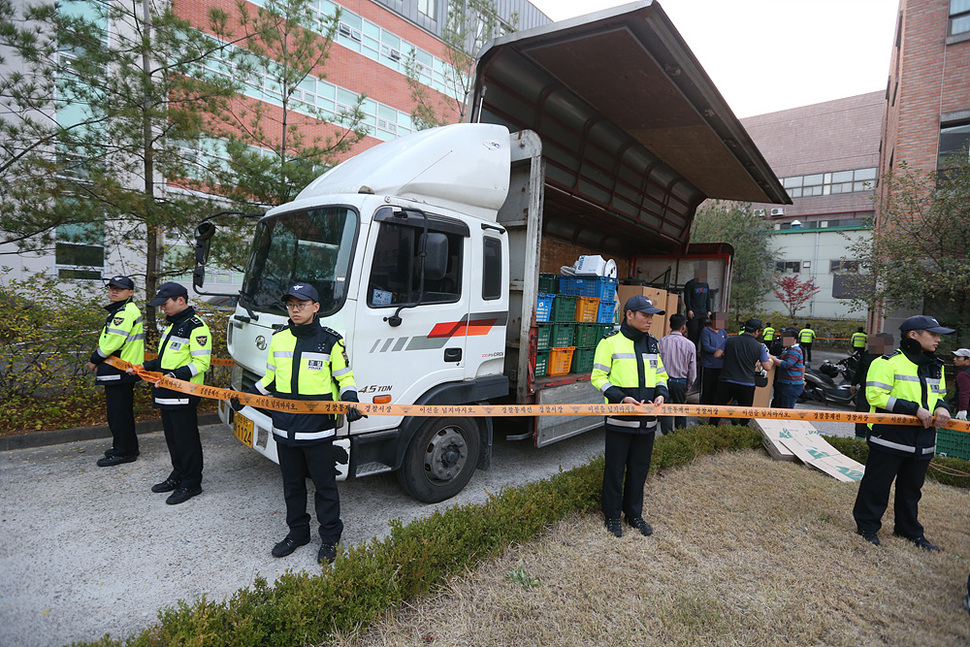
<point x="599" y="135"/>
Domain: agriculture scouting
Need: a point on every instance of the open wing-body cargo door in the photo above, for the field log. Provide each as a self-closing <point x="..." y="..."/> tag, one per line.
<point x="633" y="138"/>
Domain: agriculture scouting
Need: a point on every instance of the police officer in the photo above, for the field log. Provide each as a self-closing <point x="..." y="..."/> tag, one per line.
<point x="907" y="381"/>
<point x="859" y="341"/>
<point x="184" y="353"/>
<point x="122" y="336"/>
<point x="806" y="337"/>
<point x="768" y="335"/>
<point x="627" y="369"/>
<point x="307" y="362"/>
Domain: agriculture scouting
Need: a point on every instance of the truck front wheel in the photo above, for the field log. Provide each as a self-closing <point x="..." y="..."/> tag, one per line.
<point x="440" y="460"/>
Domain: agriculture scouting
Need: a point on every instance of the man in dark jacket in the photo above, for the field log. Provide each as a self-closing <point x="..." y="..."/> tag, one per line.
<point x="627" y="369"/>
<point x="741" y="356"/>
<point x="305" y="362"/>
<point x="697" y="302"/>
<point x="908" y="381"/>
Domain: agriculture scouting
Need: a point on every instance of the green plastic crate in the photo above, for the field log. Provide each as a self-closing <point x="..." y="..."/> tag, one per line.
<point x="563" y="308"/>
<point x="955" y="444"/>
<point x="588" y="334"/>
<point x="542" y="360"/>
<point x="549" y="283"/>
<point x="563" y="334"/>
<point x="542" y="339"/>
<point x="583" y="360"/>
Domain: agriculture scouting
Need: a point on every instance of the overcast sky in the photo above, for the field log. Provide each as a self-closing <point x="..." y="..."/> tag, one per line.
<point x="769" y="55"/>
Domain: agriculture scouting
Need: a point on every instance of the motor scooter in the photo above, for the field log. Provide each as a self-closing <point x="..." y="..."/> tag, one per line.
<point x="820" y="385"/>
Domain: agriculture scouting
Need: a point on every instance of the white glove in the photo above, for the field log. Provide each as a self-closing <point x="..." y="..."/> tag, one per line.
<point x="961" y="415"/>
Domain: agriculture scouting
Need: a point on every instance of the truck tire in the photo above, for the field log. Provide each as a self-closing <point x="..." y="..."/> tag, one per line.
<point x="440" y="460"/>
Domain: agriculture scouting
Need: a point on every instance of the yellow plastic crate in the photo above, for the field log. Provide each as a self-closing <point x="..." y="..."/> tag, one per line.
<point x="587" y="309"/>
<point x="560" y="359"/>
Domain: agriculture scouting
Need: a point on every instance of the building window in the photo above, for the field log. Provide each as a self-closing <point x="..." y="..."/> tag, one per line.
<point x="79" y="251"/>
<point x="843" y="266"/>
<point x="954" y="143"/>
<point x="807" y="186"/>
<point x="788" y="267"/>
<point x="427" y="8"/>
<point x="959" y="17"/>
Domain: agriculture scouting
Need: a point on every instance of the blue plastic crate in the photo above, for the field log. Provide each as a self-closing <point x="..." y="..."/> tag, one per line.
<point x="544" y="307"/>
<point x="605" y="313"/>
<point x="599" y="287"/>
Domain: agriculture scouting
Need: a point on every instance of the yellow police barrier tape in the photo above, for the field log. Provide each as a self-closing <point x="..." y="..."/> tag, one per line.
<point x="510" y="410"/>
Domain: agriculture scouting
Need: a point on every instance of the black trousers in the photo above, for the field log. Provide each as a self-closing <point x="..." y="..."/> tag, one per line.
<point x="181" y="427"/>
<point x="678" y="395"/>
<point x="695" y="326"/>
<point x="119" y="402"/>
<point x="709" y="380"/>
<point x="728" y="392"/>
<point x="627" y="465"/>
<point x="873" y="498"/>
<point x="808" y="350"/>
<point x="316" y="461"/>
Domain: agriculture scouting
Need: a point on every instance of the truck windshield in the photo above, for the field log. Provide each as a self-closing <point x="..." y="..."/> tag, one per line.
<point x="314" y="247"/>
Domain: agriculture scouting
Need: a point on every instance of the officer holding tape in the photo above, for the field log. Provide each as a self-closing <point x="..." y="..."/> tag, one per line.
<point x="307" y="362"/>
<point x="907" y="381"/>
<point x="123" y="336"/>
<point x="627" y="369"/>
<point x="184" y="352"/>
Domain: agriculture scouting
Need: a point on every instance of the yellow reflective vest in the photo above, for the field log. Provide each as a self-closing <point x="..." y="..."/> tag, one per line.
<point x="768" y="334"/>
<point x="895" y="383"/>
<point x="123" y="336"/>
<point x="626" y="367"/>
<point x="806" y="336"/>
<point x="307" y="362"/>
<point x="185" y="353"/>
<point x="859" y="339"/>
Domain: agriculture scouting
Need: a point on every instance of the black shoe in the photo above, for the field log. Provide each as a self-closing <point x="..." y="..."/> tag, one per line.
<point x="183" y="494"/>
<point x="614" y="528"/>
<point x="641" y="525"/>
<point x="116" y="459"/>
<point x="327" y="554"/>
<point x="288" y="545"/>
<point x="111" y="451"/>
<point x="966" y="603"/>
<point x="869" y="536"/>
<point x="925" y="544"/>
<point x="165" y="486"/>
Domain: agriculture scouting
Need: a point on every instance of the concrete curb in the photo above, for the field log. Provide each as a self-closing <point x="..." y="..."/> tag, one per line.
<point x="61" y="436"/>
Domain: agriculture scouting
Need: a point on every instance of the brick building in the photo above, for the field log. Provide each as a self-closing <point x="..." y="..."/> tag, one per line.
<point x="826" y="156"/>
<point x="927" y="99"/>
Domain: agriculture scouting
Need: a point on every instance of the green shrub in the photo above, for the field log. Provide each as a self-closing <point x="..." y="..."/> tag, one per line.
<point x="47" y="334"/>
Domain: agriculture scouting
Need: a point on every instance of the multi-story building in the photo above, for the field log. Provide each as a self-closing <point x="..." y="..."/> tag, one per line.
<point x="368" y="57"/>
<point x="927" y="100"/>
<point x="826" y="156"/>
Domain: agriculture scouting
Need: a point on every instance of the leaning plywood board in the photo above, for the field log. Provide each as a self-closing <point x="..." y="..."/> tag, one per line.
<point x="814" y="451"/>
<point x="771" y="432"/>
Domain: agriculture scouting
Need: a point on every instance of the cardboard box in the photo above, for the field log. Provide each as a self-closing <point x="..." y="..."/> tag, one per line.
<point x="762" y="395"/>
<point x="659" y="299"/>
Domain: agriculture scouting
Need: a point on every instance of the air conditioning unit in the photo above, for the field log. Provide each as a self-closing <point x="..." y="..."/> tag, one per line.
<point x="759" y="212"/>
<point x="778" y="211"/>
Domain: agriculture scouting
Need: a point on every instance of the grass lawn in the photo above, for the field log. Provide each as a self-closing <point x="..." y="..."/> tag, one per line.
<point x="746" y="551"/>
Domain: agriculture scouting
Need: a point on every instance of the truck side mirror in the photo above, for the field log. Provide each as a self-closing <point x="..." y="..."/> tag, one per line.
<point x="203" y="238"/>
<point x="434" y="246"/>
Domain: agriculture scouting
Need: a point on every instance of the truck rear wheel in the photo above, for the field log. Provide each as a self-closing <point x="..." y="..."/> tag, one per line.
<point x="440" y="460"/>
